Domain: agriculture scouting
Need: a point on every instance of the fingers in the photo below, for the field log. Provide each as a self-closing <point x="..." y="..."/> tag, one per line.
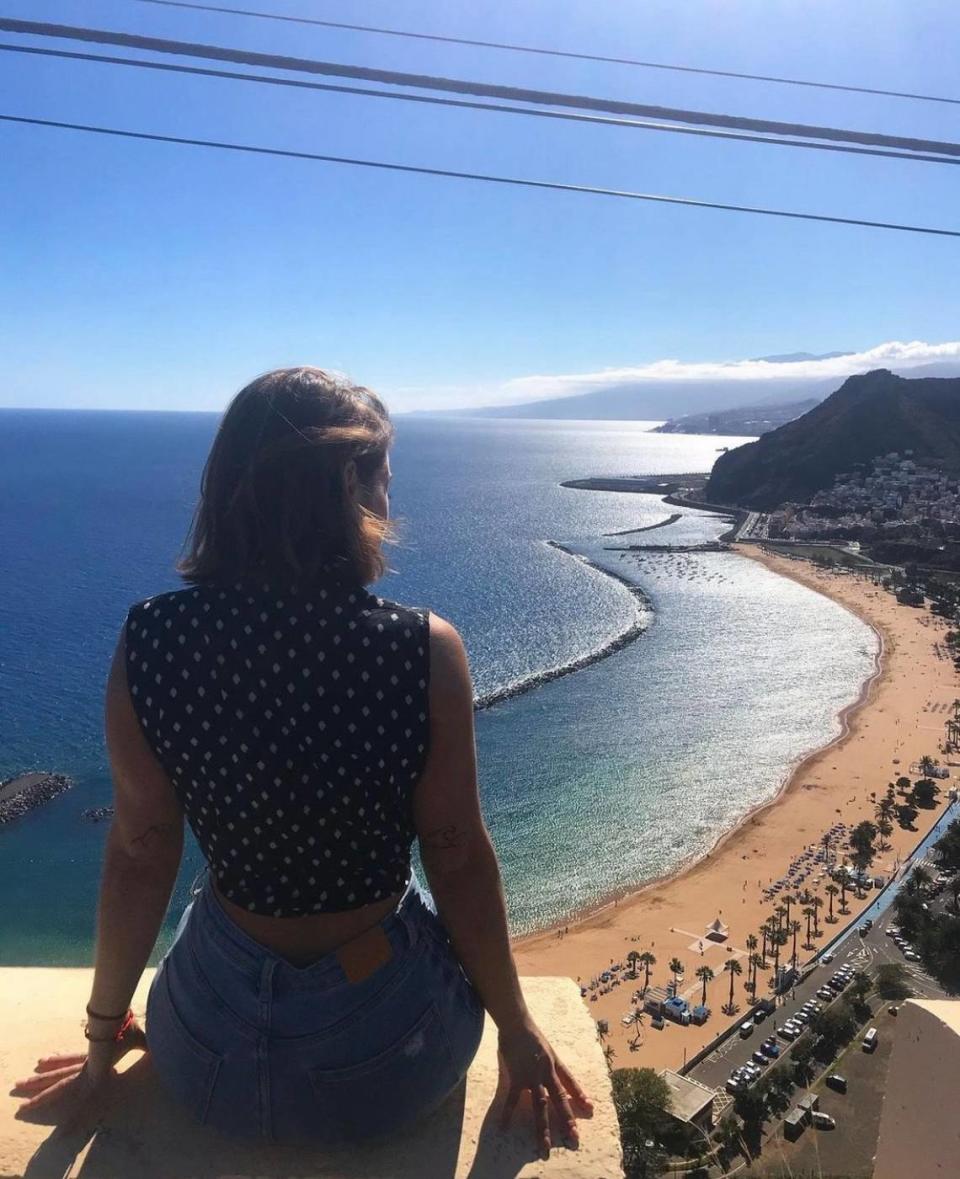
<point x="40" y="1082"/>
<point x="541" y="1119"/>
<point x="513" y="1096"/>
<point x="562" y="1106"/>
<point x="580" y="1098"/>
<point x="59" y="1060"/>
<point x="46" y="1096"/>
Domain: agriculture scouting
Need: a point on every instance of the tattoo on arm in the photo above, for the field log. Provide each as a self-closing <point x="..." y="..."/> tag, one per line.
<point x="158" y="830"/>
<point x="445" y="838"/>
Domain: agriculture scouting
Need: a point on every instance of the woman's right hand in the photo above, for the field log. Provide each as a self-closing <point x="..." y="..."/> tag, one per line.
<point x="532" y="1065"/>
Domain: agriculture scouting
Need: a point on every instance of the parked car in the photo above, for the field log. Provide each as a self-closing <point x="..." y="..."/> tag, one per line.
<point x="835" y="1081"/>
<point x="870" y="1040"/>
<point x="911" y="955"/>
<point x="746" y="1029"/>
<point x="789" y="1031"/>
<point x="770" y="1048"/>
<point x="825" y="993"/>
<point x="894" y="1009"/>
<point x="759" y="1014"/>
<point x="822" y="1121"/>
<point x="761" y="1058"/>
<point x="826" y="959"/>
<point x="892" y="930"/>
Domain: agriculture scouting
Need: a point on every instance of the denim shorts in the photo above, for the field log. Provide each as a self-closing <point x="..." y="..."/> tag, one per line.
<point x="257" y="1047"/>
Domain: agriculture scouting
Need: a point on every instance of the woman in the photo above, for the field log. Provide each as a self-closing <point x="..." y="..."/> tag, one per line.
<point x="308" y="731"/>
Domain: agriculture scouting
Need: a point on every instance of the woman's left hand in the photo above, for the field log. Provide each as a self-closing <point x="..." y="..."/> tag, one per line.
<point x="66" y="1087"/>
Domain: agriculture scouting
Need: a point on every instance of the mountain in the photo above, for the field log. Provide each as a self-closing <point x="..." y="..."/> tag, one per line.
<point x="745" y="420"/>
<point x="653" y="400"/>
<point x="869" y="415"/>
<point x="796" y="357"/>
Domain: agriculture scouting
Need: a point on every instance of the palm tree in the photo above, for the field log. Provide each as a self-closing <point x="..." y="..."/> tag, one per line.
<point x="843" y="894"/>
<point x="638" y="1024"/>
<point x="609" y="1052"/>
<point x="757" y="963"/>
<point x="603" y="1030"/>
<point x="676" y="966"/>
<point x="808" y="912"/>
<point x="734" y="967"/>
<point x="795" y="928"/>
<point x="782" y="913"/>
<point x="779" y="939"/>
<point x="751" y="943"/>
<point x="831" y="890"/>
<point x="927" y="765"/>
<point x="648" y="960"/>
<point x="705" y="975"/>
<point x="632" y="958"/>
<point x="788" y="900"/>
<point x="816" y="904"/>
<point x="885" y="829"/>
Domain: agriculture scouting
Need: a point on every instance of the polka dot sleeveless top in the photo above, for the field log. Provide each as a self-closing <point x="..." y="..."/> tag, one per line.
<point x="293" y="725"/>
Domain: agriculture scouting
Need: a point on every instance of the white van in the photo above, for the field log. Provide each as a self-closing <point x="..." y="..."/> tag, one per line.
<point x="870" y="1040"/>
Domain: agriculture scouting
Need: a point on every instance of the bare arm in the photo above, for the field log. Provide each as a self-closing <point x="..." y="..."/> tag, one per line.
<point x="464" y="878"/>
<point x="140" y="866"/>
<point x="142" y="856"/>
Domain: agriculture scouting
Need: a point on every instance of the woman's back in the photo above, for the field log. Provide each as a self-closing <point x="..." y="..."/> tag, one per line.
<point x="293" y="724"/>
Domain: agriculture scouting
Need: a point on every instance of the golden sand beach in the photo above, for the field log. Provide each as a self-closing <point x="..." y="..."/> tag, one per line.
<point x="899" y="717"/>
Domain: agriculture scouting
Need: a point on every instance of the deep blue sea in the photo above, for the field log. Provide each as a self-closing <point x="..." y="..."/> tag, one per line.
<point x="591" y="783"/>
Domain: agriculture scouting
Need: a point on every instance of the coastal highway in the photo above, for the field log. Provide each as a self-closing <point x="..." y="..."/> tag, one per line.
<point x="863" y="953"/>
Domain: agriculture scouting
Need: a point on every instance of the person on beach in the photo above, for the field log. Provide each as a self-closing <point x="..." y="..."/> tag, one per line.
<point x="308" y="731"/>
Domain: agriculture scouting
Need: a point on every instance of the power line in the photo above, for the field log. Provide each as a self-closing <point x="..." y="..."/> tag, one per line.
<point x="626" y="61"/>
<point x="431" y="100"/>
<point x="477" y="89"/>
<point x="551" y="185"/>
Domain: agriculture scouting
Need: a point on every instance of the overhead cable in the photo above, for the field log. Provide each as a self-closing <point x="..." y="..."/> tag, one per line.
<point x="539" y="51"/>
<point x="551" y="185"/>
<point x="463" y="104"/>
<point x="478" y="89"/>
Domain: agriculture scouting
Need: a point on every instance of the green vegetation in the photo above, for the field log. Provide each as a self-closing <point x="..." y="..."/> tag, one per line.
<point x="933" y="926"/>
<point x="892" y="981"/>
<point x="647" y="1132"/>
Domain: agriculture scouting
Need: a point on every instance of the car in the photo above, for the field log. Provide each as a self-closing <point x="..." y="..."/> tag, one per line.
<point x="825" y="993"/>
<point x="911" y="955"/>
<point x="746" y="1029"/>
<point x="788" y="1032"/>
<point x="770" y="1048"/>
<point x="658" y="1023"/>
<point x="892" y="930"/>
<point x="759" y="1015"/>
<point x="835" y="1081"/>
<point x="801" y="1018"/>
<point x="870" y="1040"/>
<point x="733" y="1085"/>
<point x="894" y="1009"/>
<point x="826" y="959"/>
<point x="761" y="1058"/>
<point x="822" y="1121"/>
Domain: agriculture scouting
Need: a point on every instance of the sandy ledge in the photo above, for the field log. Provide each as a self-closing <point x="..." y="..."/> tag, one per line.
<point x="898" y="717"/>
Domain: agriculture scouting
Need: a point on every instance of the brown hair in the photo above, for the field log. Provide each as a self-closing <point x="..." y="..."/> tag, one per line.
<point x="274" y="503"/>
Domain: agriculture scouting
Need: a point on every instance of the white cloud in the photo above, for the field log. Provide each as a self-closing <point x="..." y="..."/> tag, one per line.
<point x="895" y="354"/>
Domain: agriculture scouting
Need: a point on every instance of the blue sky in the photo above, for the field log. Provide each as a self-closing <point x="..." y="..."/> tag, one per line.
<point x="161" y="277"/>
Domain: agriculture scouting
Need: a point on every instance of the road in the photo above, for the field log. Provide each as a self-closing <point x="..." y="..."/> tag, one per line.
<point x="862" y="952"/>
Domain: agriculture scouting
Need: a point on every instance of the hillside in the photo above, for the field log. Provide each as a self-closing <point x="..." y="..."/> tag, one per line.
<point x="744" y="421"/>
<point x="869" y="415"/>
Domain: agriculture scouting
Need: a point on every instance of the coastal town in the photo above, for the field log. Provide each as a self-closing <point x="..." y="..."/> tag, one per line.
<point x="895" y="497"/>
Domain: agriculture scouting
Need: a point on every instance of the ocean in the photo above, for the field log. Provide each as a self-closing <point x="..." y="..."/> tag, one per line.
<point x="591" y="783"/>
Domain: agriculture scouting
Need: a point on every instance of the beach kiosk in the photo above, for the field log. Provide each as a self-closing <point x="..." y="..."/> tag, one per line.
<point x="717" y="931"/>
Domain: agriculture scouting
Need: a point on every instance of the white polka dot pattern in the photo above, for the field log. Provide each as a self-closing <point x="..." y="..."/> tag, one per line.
<point x="293" y="725"/>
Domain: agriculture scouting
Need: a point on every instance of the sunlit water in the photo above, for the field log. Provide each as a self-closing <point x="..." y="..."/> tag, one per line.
<point x="591" y="784"/>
